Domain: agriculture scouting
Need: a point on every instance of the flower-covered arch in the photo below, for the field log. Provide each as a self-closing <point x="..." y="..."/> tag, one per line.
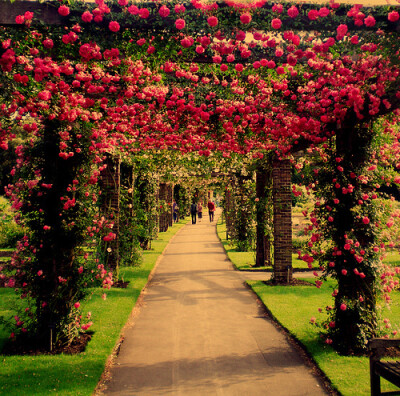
<point x="83" y="79"/>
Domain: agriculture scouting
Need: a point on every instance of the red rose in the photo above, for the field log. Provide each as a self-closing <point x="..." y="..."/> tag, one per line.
<point x="369" y="21"/>
<point x="114" y="26"/>
<point x="20" y="19"/>
<point x="293" y="12"/>
<point x="87" y="17"/>
<point x="276" y="23"/>
<point x="180" y="24"/>
<point x="245" y="18"/>
<point x="164" y="11"/>
<point x="144" y="13"/>
<point x="393" y="16"/>
<point x="212" y="21"/>
<point x="63" y="10"/>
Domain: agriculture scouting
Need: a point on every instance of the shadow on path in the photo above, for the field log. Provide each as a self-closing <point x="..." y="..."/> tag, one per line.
<point x="201" y="331"/>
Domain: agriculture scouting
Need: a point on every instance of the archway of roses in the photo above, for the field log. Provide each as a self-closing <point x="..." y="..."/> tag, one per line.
<point x="83" y="79"/>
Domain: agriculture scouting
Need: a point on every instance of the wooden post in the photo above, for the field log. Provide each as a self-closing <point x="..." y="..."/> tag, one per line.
<point x="261" y="181"/>
<point x="110" y="181"/>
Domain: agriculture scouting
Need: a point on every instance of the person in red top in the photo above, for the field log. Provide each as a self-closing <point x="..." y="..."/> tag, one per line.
<point x="211" y="210"/>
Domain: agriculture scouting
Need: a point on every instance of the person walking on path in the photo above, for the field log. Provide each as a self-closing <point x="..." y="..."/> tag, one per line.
<point x="193" y="212"/>
<point x="175" y="209"/>
<point x="199" y="211"/>
<point x="211" y="210"/>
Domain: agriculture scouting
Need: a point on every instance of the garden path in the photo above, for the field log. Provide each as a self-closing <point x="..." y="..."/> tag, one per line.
<point x="201" y="331"/>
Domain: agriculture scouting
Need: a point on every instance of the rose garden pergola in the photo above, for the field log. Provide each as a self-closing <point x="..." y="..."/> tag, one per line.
<point x="248" y="78"/>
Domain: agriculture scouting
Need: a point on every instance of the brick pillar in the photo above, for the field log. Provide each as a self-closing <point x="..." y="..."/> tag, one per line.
<point x="110" y="182"/>
<point x="282" y="199"/>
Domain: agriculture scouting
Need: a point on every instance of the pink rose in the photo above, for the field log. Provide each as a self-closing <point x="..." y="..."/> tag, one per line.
<point x="239" y="67"/>
<point x="343" y="307"/>
<point x="77" y="305"/>
<point x="164" y="11"/>
<point x="63" y="10"/>
<point x="28" y="15"/>
<point x="180" y="24"/>
<point x="323" y="12"/>
<point x="245" y="18"/>
<point x="114" y="26"/>
<point x="342" y="30"/>
<point x="276" y="23"/>
<point x="212" y="21"/>
<point x="312" y="15"/>
<point x="133" y="10"/>
<point x="48" y="43"/>
<point x="277" y="8"/>
<point x="369" y="21"/>
<point x="144" y="13"/>
<point x="19" y="19"/>
<point x="354" y="40"/>
<point x="87" y="17"/>
<point x="393" y="16"/>
<point x="293" y="12"/>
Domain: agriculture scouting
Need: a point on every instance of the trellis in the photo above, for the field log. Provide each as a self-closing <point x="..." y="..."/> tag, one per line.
<point x="152" y="25"/>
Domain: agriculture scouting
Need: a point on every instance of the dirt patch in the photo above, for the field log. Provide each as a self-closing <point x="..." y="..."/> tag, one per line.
<point x="121" y="284"/>
<point x="293" y="282"/>
<point x="30" y="347"/>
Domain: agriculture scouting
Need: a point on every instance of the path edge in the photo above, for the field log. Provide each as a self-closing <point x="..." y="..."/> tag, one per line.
<point x="105" y="376"/>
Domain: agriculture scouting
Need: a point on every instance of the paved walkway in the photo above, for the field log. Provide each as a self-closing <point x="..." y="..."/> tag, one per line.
<point x="200" y="331"/>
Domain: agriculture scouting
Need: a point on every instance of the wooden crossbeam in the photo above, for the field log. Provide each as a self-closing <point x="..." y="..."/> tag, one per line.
<point x="48" y="14"/>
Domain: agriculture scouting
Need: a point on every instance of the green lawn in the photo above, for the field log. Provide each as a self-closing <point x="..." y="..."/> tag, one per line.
<point x="79" y="374"/>
<point x="293" y="306"/>
<point x="245" y="261"/>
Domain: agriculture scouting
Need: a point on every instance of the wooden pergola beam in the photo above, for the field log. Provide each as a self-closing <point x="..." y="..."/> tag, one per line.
<point x="48" y="13"/>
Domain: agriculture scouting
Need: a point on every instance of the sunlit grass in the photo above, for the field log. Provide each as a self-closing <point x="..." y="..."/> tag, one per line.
<point x="79" y="374"/>
<point x="245" y="261"/>
<point x="293" y="306"/>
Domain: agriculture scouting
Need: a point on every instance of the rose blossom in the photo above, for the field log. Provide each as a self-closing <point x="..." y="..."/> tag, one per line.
<point x="212" y="21"/>
<point x="276" y="23"/>
<point x="245" y="18"/>
<point x="87" y="17"/>
<point x="144" y="13"/>
<point x="114" y="26"/>
<point x="180" y="24"/>
<point x="369" y="21"/>
<point x="393" y="16"/>
<point x="293" y="12"/>
<point x="63" y="10"/>
<point x="164" y="11"/>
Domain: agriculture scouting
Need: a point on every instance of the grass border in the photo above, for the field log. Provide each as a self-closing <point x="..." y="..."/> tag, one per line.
<point x="82" y="374"/>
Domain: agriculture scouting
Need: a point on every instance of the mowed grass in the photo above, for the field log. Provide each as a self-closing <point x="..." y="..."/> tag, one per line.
<point x="293" y="307"/>
<point x="245" y="261"/>
<point x="80" y="374"/>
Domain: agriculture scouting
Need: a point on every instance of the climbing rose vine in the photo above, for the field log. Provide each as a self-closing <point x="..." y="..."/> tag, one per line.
<point x="232" y="77"/>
